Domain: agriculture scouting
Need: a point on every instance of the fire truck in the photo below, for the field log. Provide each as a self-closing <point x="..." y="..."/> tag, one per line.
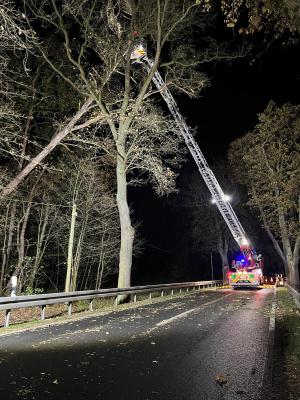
<point x="246" y="271"/>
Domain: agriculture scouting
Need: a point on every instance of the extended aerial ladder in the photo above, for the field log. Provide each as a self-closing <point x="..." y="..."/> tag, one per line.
<point x="251" y="260"/>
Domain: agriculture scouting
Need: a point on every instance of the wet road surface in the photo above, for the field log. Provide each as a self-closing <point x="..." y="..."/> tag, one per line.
<point x="205" y="346"/>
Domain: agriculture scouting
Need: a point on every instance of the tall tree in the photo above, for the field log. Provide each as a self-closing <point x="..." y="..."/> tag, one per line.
<point x="142" y="143"/>
<point x="267" y="162"/>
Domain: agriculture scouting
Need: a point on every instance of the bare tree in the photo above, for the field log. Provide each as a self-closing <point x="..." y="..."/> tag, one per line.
<point x="88" y="232"/>
<point x="37" y="222"/>
<point x="121" y="92"/>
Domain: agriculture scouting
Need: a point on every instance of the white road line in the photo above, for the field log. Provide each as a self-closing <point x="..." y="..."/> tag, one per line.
<point x="272" y="314"/>
<point x="267" y="374"/>
<point x="182" y="315"/>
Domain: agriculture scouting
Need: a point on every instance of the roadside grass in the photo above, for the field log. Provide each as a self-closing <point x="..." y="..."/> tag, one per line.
<point x="286" y="358"/>
<point x="29" y="318"/>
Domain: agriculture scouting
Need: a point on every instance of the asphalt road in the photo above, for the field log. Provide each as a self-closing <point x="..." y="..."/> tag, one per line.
<point x="208" y="345"/>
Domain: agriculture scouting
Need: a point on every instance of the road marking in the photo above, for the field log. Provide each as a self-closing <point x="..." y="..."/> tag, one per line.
<point x="267" y="374"/>
<point x="272" y="314"/>
<point x="182" y="315"/>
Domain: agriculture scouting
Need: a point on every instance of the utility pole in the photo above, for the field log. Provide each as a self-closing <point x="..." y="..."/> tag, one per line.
<point x="70" y="248"/>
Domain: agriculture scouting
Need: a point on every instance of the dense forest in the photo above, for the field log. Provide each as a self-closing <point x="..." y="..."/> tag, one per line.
<point x="81" y="125"/>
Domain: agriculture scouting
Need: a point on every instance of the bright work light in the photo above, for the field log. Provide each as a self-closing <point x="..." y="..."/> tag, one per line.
<point x="226" y="198"/>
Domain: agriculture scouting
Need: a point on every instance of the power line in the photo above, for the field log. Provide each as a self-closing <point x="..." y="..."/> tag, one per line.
<point x="163" y="250"/>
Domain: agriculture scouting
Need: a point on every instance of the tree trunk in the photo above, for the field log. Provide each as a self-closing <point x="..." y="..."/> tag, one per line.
<point x="100" y="263"/>
<point x="274" y="241"/>
<point x="76" y="261"/>
<point x="21" y="243"/>
<point x="223" y="245"/>
<point x="86" y="285"/>
<point x="70" y="249"/>
<point x="291" y="257"/>
<point x="127" y="231"/>
<point x="57" y="138"/>
<point x="225" y="265"/>
<point x="21" y="238"/>
<point x="296" y="256"/>
<point x="98" y="272"/>
<point x="10" y="239"/>
<point x="3" y="266"/>
<point x="101" y="272"/>
<point x="293" y="275"/>
<point x="40" y="241"/>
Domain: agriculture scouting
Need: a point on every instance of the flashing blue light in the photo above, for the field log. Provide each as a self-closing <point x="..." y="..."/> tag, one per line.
<point x="241" y="259"/>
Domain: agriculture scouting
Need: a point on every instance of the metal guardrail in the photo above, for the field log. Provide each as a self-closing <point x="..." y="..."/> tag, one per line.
<point x="294" y="293"/>
<point x="42" y="300"/>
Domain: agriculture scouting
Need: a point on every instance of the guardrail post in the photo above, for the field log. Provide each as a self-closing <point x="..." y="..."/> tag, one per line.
<point x="70" y="308"/>
<point x="134" y="298"/>
<point x="199" y="287"/>
<point x="162" y="293"/>
<point x="150" y="295"/>
<point x="187" y="289"/>
<point x="91" y="305"/>
<point x="7" y="317"/>
<point x="180" y="290"/>
<point x="14" y="285"/>
<point x="43" y="307"/>
<point x="172" y="292"/>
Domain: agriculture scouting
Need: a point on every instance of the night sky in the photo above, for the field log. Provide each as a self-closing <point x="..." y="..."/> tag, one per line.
<point x="223" y="112"/>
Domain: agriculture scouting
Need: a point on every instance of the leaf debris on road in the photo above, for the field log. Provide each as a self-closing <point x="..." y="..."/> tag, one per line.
<point x="221" y="380"/>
